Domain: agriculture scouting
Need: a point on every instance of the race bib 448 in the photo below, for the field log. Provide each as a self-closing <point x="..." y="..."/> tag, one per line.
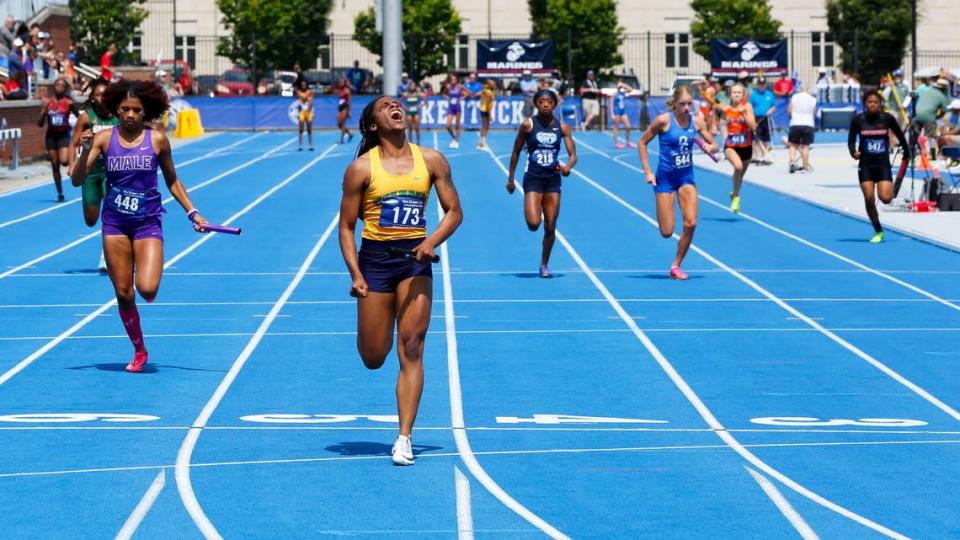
<point x="127" y="201"/>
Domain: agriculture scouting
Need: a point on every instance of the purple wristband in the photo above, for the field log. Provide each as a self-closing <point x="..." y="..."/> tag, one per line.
<point x="192" y="214"/>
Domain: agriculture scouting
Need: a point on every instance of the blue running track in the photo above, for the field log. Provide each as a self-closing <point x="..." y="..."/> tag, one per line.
<point x="803" y="382"/>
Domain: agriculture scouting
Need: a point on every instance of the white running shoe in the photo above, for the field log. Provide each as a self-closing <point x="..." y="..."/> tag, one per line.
<point x="402" y="452"/>
<point x="102" y="265"/>
<point x="455" y="144"/>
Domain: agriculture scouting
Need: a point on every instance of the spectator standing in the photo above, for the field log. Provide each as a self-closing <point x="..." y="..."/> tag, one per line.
<point x="106" y="62"/>
<point x="590" y="99"/>
<point x="357" y="78"/>
<point x="6" y="37"/>
<point x="931" y="105"/>
<point x="528" y="87"/>
<point x="764" y="104"/>
<point x="823" y="86"/>
<point x="474" y="88"/>
<point x="802" y="111"/>
<point x="783" y="87"/>
<point x="404" y="84"/>
<point x="902" y="92"/>
<point x="473" y="85"/>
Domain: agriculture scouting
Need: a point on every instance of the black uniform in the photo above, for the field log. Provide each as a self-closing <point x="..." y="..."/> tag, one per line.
<point x="874" y="131"/>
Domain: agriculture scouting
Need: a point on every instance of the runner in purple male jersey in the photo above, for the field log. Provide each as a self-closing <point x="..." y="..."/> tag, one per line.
<point x="132" y="212"/>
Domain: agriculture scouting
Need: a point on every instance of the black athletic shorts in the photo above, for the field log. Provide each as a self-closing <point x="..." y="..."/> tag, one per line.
<point x="383" y="271"/>
<point x="874" y="173"/>
<point x="57" y="139"/>
<point x="802" y="135"/>
<point x="745" y="152"/>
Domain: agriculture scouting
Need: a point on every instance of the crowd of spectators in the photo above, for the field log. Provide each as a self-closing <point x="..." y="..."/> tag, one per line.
<point x="28" y="55"/>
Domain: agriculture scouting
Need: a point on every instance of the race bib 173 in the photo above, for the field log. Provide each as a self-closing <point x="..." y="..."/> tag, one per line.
<point x="402" y="211"/>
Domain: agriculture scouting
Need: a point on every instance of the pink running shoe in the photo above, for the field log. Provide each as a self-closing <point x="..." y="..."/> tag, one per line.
<point x="139" y="360"/>
<point x="677" y="273"/>
<point x="631" y="145"/>
<point x="619" y="146"/>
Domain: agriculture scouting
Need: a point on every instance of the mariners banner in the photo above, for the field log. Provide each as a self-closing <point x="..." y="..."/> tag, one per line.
<point x="507" y="57"/>
<point x="730" y="56"/>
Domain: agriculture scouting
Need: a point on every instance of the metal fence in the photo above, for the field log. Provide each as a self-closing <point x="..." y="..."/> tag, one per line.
<point x="655" y="58"/>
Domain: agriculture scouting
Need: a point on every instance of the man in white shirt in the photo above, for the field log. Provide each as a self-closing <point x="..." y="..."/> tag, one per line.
<point x="802" y="110"/>
<point x="590" y="99"/>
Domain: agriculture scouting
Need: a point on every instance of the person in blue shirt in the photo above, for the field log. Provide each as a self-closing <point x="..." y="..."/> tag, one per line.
<point x="357" y="77"/>
<point x="474" y="87"/>
<point x="764" y="103"/>
<point x="404" y="84"/>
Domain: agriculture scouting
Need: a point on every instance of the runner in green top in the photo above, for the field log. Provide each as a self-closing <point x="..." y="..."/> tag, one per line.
<point x="93" y="119"/>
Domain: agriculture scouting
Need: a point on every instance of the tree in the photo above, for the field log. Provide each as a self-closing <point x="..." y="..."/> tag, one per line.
<point x="96" y="24"/>
<point x="273" y="34"/>
<point x="430" y="29"/>
<point x="585" y="31"/>
<point x="872" y="37"/>
<point x="731" y="19"/>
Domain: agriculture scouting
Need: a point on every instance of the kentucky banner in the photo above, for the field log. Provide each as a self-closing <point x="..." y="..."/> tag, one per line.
<point x="731" y="56"/>
<point x="506" y="57"/>
<point x="282" y="113"/>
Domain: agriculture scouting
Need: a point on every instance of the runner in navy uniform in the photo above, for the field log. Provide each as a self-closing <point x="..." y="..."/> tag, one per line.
<point x="874" y="126"/>
<point x="541" y="134"/>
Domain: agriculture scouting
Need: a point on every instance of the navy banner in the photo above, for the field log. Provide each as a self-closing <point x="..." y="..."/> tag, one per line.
<point x="730" y="56"/>
<point x="506" y="57"/>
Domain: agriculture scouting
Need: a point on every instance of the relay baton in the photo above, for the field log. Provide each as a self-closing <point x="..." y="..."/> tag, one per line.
<point x="705" y="151"/>
<point x="407" y="254"/>
<point x="212" y="227"/>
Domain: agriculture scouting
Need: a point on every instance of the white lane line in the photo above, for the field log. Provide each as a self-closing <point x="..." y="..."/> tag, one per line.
<point x="890" y="372"/>
<point x="189" y="249"/>
<point x="464" y="510"/>
<point x="140" y="512"/>
<point x="476" y="428"/>
<point x="471" y="332"/>
<point x="67" y="203"/>
<point x="96" y="233"/>
<point x="497" y="301"/>
<point x="862" y="267"/>
<point x="185" y="454"/>
<point x="698" y="404"/>
<point x="456" y="406"/>
<point x="838" y="256"/>
<point x="788" y="511"/>
<point x="657" y="271"/>
<point x="547" y="451"/>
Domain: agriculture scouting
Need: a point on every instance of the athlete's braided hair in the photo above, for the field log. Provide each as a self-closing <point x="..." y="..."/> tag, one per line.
<point x="369" y="137"/>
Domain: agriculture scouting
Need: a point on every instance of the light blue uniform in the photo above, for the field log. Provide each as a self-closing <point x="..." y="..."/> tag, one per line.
<point x="619" y="103"/>
<point x="675" y="168"/>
